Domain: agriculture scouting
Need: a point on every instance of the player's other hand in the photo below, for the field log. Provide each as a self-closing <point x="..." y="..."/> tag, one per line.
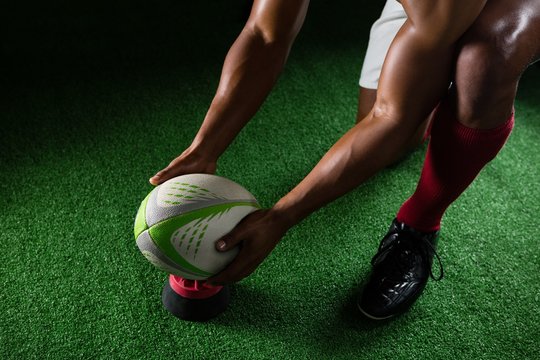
<point x="258" y="234"/>
<point x="189" y="162"/>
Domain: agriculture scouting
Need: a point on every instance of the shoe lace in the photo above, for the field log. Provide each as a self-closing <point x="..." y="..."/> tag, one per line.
<point x="406" y="242"/>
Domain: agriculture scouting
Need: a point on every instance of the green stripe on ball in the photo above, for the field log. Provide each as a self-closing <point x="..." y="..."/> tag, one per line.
<point x="140" y="220"/>
<point x="162" y="232"/>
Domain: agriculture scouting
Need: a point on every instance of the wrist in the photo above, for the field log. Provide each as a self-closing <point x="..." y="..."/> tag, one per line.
<point x="202" y="151"/>
<point x="284" y="215"/>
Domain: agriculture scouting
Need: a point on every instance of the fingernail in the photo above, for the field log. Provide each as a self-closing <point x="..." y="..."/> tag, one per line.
<point x="221" y="245"/>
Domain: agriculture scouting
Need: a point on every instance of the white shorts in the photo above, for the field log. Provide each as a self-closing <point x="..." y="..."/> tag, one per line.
<point x="382" y="33"/>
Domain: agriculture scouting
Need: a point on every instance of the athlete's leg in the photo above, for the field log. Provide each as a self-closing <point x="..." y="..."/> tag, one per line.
<point x="366" y="100"/>
<point x="470" y="127"/>
<point x="383" y="31"/>
<point x="476" y="118"/>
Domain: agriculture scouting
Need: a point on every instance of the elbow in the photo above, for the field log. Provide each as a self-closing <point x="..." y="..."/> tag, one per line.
<point x="270" y="36"/>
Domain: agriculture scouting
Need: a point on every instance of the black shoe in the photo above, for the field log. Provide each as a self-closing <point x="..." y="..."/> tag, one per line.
<point x="401" y="269"/>
<point x="194" y="300"/>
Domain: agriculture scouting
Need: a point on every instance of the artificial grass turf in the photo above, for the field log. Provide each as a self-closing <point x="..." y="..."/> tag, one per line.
<point x="101" y="97"/>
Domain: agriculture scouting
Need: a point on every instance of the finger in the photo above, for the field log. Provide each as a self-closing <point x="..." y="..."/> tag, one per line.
<point x="228" y="277"/>
<point x="160" y="177"/>
<point x="230" y="240"/>
<point x="239" y="233"/>
<point x="238" y="269"/>
<point x="163" y="175"/>
<point x="156" y="179"/>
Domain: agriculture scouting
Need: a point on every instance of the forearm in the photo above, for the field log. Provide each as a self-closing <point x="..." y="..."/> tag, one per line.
<point x="249" y="73"/>
<point x="364" y="150"/>
<point x="251" y="69"/>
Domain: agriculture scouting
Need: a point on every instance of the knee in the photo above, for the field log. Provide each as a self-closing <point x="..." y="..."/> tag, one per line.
<point x="393" y="118"/>
<point x="486" y="75"/>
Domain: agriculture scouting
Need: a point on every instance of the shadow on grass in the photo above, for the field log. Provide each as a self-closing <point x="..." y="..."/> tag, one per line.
<point x="256" y="309"/>
<point x="342" y="331"/>
<point x="351" y="334"/>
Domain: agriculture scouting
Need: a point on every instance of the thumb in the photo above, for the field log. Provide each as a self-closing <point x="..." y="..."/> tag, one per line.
<point x="163" y="175"/>
<point x="156" y="179"/>
<point x="228" y="241"/>
<point x="159" y="177"/>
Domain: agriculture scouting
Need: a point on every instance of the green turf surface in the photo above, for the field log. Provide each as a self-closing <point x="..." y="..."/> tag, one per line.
<point x="99" y="97"/>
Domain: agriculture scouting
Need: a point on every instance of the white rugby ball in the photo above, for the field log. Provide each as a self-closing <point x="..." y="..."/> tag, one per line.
<point x="180" y="220"/>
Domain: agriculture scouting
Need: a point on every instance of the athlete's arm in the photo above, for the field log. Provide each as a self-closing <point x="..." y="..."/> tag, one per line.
<point x="414" y="78"/>
<point x="249" y="72"/>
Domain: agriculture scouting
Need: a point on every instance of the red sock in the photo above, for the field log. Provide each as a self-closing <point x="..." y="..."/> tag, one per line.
<point x="455" y="155"/>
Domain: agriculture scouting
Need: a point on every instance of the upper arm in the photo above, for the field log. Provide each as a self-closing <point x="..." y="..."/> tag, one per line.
<point x="442" y="21"/>
<point x="277" y="20"/>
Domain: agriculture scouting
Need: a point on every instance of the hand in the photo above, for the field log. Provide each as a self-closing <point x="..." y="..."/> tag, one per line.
<point x="258" y="234"/>
<point x="189" y="162"/>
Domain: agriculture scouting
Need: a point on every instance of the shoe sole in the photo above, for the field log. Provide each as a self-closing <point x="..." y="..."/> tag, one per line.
<point x="371" y="316"/>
